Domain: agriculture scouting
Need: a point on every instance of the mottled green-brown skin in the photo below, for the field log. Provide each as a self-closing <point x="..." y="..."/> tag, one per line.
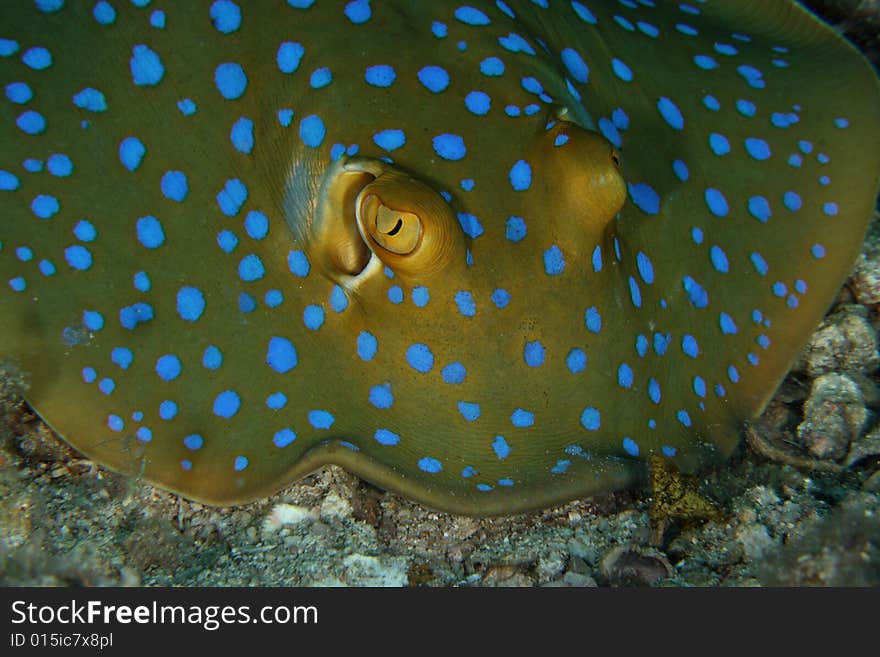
<point x="825" y="77"/>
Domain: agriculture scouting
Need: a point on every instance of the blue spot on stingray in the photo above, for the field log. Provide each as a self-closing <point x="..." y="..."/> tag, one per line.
<point x="500" y="447"/>
<point x="500" y="297"/>
<point x="230" y="80"/>
<point x="466" y="304"/>
<point x="226" y="16"/>
<point x="420" y="357"/>
<point x="227" y="241"/>
<point x="434" y="78"/>
<point x="283" y="437"/>
<point x="716" y="202"/>
<point x="492" y="67"/>
<point x="395" y="294"/>
<point x="430" y="465"/>
<point x="298" y="263"/>
<point x="630" y="446"/>
<point x="190" y="303"/>
<point x="696" y="293"/>
<point x="194" y="442"/>
<point x="168" y="410"/>
<point x="758" y="148"/>
<point x="115" y="423"/>
<point x="621" y="70"/>
<point x="593" y="320"/>
<point x="646" y="268"/>
<point x="212" y="358"/>
<point x="31" y="122"/>
<point x="576" y="65"/>
<point x="91" y="100"/>
<point x="746" y="107"/>
<point x="719" y="259"/>
<point x="386" y="437"/>
<point x="78" y="257"/>
<point x="591" y="419"/>
<point x="276" y="401"/>
<point x="719" y="144"/>
<point x="281" y="355"/>
<point x="146" y="66"/>
<point x="242" y="135"/>
<point x="149" y="232"/>
<point x="45" y="206"/>
<point x="449" y="147"/>
<point x="439" y="29"/>
<point x="576" y="361"/>
<point x="478" y="102"/>
<point x="312" y="131"/>
<point x="131" y="152"/>
<point x="728" y="326"/>
<point x="8" y="182"/>
<point x="670" y="113"/>
<point x="37" y="58"/>
<point x="533" y="354"/>
<point x="232" y="197"/>
<point x="256" y="225"/>
<point x="705" y="62"/>
<point x="59" y="165"/>
<point x="289" y="56"/>
<point x="358" y="11"/>
<point x="522" y="418"/>
<point x="138" y="313"/>
<point x="380" y="75"/>
<point x="338" y="299"/>
<point x="635" y="293"/>
<point x="313" y="317"/>
<point x="251" y="268"/>
<point x="367" y="345"/>
<point x="654" y="393"/>
<point x="759" y="263"/>
<point x="515" y="43"/>
<point x="759" y="208"/>
<point x="646" y="199"/>
<point x="515" y="229"/>
<point x="471" y="16"/>
<point x="520" y="176"/>
<point x="792" y="201"/>
<point x="624" y="376"/>
<point x="321" y="419"/>
<point x="168" y="367"/>
<point x="93" y="320"/>
<point x="690" y="346"/>
<point x="227" y="403"/>
<point x="554" y="262"/>
<point x="454" y="373"/>
<point x="381" y="397"/>
<point x="469" y="410"/>
<point x="596" y="259"/>
<point x="104" y="13"/>
<point x="389" y="139"/>
<point x="174" y="185"/>
<point x="699" y="386"/>
<point x="320" y="78"/>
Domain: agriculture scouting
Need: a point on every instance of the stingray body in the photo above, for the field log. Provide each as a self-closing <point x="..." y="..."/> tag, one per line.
<point x="489" y="255"/>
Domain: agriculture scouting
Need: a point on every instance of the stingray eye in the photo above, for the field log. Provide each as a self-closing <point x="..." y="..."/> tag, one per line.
<point x="408" y="225"/>
<point x="393" y="230"/>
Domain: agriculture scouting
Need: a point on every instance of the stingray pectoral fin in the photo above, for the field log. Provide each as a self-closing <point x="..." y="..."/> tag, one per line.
<point x="598" y="475"/>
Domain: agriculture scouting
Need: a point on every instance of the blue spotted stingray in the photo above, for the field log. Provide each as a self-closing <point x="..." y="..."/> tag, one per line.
<point x="492" y="256"/>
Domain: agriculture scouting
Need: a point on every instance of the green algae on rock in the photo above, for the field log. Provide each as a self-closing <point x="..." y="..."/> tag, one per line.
<point x="490" y="256"/>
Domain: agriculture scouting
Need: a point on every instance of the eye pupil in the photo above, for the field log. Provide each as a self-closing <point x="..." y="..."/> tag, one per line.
<point x="396" y="228"/>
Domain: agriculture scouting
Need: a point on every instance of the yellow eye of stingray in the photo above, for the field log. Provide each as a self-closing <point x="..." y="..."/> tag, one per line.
<point x="395" y="231"/>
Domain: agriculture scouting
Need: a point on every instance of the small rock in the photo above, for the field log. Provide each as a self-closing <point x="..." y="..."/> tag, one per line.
<point x="335" y="507"/>
<point x="867" y="445"/>
<point x="635" y="566"/>
<point x="286" y="514"/>
<point x="844" y="341"/>
<point x="872" y="484"/>
<point x="755" y="539"/>
<point x="834" y="415"/>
